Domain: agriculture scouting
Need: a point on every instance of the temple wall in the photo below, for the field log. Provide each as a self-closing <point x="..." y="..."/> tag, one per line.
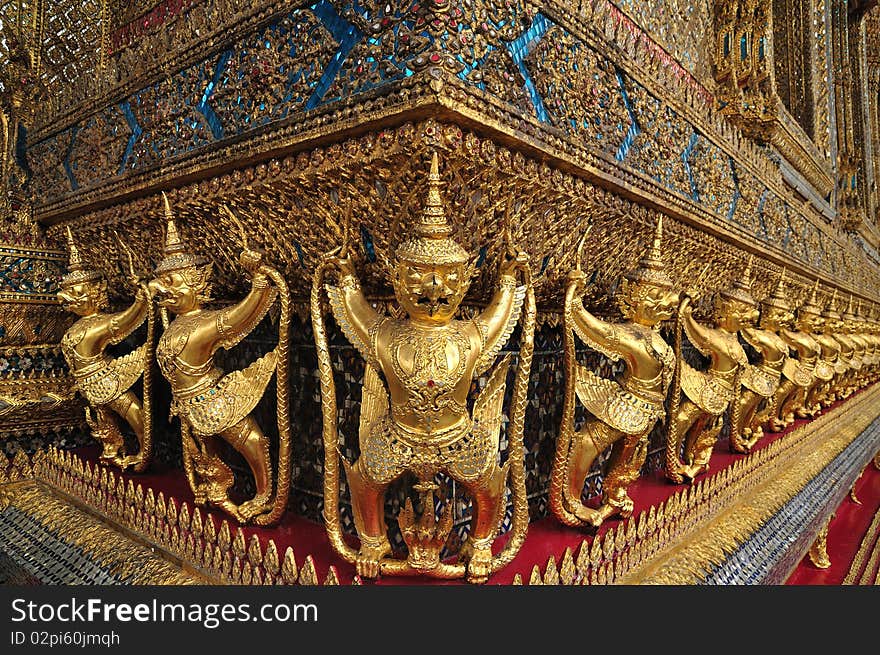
<point x="594" y="114"/>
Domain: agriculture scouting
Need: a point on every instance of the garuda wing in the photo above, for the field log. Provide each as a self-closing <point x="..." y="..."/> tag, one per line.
<point x="374" y="403"/>
<point x="491" y="350"/>
<point x="343" y="320"/>
<point x="488" y="405"/>
<point x="610" y="403"/>
<point x="233" y="397"/>
<point x="111" y="381"/>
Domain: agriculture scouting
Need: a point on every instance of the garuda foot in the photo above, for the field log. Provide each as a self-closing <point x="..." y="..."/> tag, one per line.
<point x="623" y="509"/>
<point x="254" y="507"/>
<point x="479" y="565"/>
<point x="588" y="516"/>
<point x="777" y="425"/>
<point x="369" y="557"/>
<point x="133" y="461"/>
<point x="691" y="471"/>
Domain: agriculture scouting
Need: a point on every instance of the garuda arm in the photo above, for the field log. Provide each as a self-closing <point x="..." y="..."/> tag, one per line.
<point x="700" y="336"/>
<point x="497" y="321"/>
<point x="353" y="313"/>
<point x="235" y="322"/>
<point x="121" y="324"/>
<point x="593" y="331"/>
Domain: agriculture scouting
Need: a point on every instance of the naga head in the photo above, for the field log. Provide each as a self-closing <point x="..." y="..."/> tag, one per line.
<point x="181" y="281"/>
<point x="735" y="307"/>
<point x="431" y="272"/>
<point x="83" y="290"/>
<point x="809" y="315"/>
<point x="647" y="294"/>
<point x="776" y="312"/>
<point x="831" y="319"/>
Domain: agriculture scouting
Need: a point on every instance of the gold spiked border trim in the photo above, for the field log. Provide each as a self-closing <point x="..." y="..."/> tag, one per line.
<point x="679" y="540"/>
<point x="216" y="551"/>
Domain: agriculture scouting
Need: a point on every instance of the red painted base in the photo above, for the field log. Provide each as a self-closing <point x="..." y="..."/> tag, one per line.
<point x="845" y="534"/>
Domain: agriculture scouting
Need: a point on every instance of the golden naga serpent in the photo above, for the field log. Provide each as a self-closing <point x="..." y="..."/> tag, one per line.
<point x="282" y="382"/>
<point x="330" y="431"/>
<point x="146" y="453"/>
<point x="558" y="486"/>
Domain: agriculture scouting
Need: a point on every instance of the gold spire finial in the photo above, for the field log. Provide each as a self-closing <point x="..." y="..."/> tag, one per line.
<point x="433" y="223"/>
<point x="432" y="242"/>
<point x="778" y="298"/>
<point x="848" y="314"/>
<point x="656" y="252"/>
<point x="173" y="243"/>
<point x="741" y="289"/>
<point x="76" y="263"/>
<point x="650" y="269"/>
<point x="77" y="272"/>
<point x="831" y="309"/>
<point x="812" y="304"/>
<point x="176" y="255"/>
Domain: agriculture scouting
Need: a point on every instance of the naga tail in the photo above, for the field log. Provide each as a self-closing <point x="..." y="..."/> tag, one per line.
<point x="673" y="439"/>
<point x="149" y="357"/>
<point x="330" y="429"/>
<point x="558" y="482"/>
<point x="516" y="449"/>
<point x="282" y="375"/>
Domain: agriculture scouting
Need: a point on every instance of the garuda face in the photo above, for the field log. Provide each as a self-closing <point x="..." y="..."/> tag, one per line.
<point x="83" y="298"/>
<point x="774" y="318"/>
<point x="431" y="293"/>
<point x="734" y="315"/>
<point x="647" y="304"/>
<point x="181" y="291"/>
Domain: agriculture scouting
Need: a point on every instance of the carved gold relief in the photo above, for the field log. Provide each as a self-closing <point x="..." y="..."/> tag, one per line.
<point x="622" y="411"/>
<point x="214" y="405"/>
<point x="417" y="420"/>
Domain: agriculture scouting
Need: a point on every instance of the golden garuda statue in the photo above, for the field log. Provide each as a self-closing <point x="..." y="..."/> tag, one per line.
<point x="420" y="365"/>
<point x="622" y="412"/>
<point x="829" y="366"/>
<point x="791" y="397"/>
<point x="761" y="380"/>
<point x="869" y="334"/>
<point x="106" y="382"/>
<point x="700" y="398"/>
<point x="847" y="382"/>
<point x="864" y="347"/>
<point x="212" y="405"/>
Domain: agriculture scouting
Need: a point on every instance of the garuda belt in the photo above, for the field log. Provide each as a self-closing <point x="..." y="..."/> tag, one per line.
<point x="232" y="398"/>
<point x="762" y="381"/>
<point x="465" y="451"/>
<point x="797" y="372"/>
<point x="711" y="391"/>
<point x="824" y="370"/>
<point x="618" y="408"/>
<point x="111" y="378"/>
